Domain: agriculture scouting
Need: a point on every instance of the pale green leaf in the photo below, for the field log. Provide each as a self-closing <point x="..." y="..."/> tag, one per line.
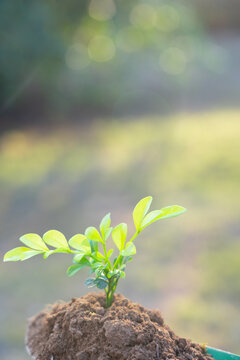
<point x="78" y="257"/>
<point x="108" y="233"/>
<point x="119" y="235"/>
<point x="109" y="254"/>
<point x="129" y="250"/>
<point x="141" y="210"/>
<point x="80" y="242"/>
<point x="29" y="254"/>
<point x="92" y="234"/>
<point x="171" y="211"/>
<point x="56" y="239"/>
<point x="99" y="256"/>
<point x="34" y="241"/>
<point x="150" y="218"/>
<point x="105" y="224"/>
<point x="20" y="253"/>
<point x="164" y="213"/>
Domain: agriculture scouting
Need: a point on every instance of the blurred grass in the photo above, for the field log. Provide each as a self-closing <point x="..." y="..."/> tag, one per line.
<point x="69" y="178"/>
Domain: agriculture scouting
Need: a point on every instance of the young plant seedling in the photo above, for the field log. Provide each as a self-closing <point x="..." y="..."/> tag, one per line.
<point x="85" y="248"/>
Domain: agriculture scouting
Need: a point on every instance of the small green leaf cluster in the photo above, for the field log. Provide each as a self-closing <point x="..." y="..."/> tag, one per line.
<point x="86" y="247"/>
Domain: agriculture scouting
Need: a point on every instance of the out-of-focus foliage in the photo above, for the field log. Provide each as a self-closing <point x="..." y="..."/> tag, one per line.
<point x="93" y="54"/>
<point x="68" y="178"/>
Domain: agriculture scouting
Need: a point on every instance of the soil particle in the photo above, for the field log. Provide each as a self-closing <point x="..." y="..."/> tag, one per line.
<point x="83" y="329"/>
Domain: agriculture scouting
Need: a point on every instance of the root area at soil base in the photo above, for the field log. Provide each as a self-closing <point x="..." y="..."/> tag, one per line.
<point x="83" y="329"/>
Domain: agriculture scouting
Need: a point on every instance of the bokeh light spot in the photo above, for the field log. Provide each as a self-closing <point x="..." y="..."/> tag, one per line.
<point x="102" y="10"/>
<point x="101" y="49"/>
<point x="167" y="18"/>
<point x="143" y="16"/>
<point x="77" y="57"/>
<point x="173" y="61"/>
<point x="130" y="39"/>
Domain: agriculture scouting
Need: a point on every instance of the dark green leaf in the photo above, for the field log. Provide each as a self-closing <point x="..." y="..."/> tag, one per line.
<point x="93" y="245"/>
<point x="73" y="269"/>
<point x="90" y="282"/>
<point x="115" y="259"/>
<point x="101" y="283"/>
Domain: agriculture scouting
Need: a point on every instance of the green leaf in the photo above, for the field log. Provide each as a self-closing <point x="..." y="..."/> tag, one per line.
<point x="101" y="283"/>
<point x="141" y="210"/>
<point x="34" y="241"/>
<point x="73" y="269"/>
<point x="90" y="282"/>
<point x="129" y="250"/>
<point x="109" y="254"/>
<point x="119" y="235"/>
<point x="97" y="265"/>
<point x="80" y="242"/>
<point x="81" y="261"/>
<point x="92" y="234"/>
<point x="122" y="274"/>
<point x="56" y="239"/>
<point x="127" y="259"/>
<point x="164" y="213"/>
<point x="105" y="224"/>
<point x="20" y="253"/>
<point x="56" y="251"/>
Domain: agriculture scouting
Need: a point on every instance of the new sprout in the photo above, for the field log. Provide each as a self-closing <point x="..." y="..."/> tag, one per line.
<point x="85" y="248"/>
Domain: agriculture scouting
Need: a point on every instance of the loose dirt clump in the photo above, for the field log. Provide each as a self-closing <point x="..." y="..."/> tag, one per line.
<point x="84" y="329"/>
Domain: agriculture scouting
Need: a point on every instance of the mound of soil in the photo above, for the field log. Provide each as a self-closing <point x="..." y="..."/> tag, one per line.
<point x="83" y="329"/>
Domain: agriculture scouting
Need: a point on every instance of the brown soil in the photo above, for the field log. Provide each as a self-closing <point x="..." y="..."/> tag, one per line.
<point x="84" y="330"/>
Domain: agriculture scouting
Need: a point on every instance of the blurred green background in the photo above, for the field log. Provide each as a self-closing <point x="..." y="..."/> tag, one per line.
<point x="104" y="102"/>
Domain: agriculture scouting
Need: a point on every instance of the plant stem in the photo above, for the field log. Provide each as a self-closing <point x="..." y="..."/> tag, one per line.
<point x="119" y="256"/>
<point x="112" y="284"/>
<point x="105" y="253"/>
<point x="135" y="235"/>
